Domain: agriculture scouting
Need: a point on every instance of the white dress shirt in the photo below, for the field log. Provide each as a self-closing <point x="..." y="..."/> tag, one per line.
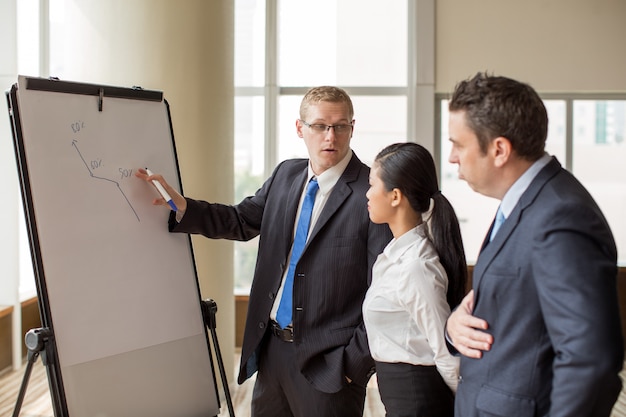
<point x="405" y="308"/>
<point x="512" y="196"/>
<point x="326" y="181"/>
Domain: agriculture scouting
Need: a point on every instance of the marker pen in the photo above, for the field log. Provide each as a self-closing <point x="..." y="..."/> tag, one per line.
<point x="162" y="191"/>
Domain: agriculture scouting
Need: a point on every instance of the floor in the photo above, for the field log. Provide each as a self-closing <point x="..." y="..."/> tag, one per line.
<point x="37" y="401"/>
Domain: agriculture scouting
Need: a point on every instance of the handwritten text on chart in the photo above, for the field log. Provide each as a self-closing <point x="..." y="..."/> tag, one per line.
<point x="95" y="164"/>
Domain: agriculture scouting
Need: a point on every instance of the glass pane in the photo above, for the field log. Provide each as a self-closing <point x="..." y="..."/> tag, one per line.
<point x="289" y="145"/>
<point x="57" y="37"/>
<point x="249" y="43"/>
<point x="249" y="145"/>
<point x="598" y="160"/>
<point x="28" y="47"/>
<point x="555" y="144"/>
<point x="28" y="37"/>
<point x="249" y="176"/>
<point x="332" y="42"/>
<point x="379" y="121"/>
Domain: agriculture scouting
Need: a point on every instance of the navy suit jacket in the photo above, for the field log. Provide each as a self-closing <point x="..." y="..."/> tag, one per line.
<point x="332" y="275"/>
<point x="546" y="285"/>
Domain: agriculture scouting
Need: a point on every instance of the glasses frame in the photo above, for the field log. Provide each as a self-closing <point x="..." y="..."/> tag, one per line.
<point x="328" y="127"/>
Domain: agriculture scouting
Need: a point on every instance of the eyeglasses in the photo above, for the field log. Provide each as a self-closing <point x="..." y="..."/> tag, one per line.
<point x="340" y="130"/>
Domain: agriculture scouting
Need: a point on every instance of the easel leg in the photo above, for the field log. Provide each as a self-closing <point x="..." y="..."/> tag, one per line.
<point x="209" y="308"/>
<point x="35" y="340"/>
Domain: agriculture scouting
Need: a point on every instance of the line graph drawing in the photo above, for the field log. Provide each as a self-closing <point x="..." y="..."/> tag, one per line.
<point x="92" y="175"/>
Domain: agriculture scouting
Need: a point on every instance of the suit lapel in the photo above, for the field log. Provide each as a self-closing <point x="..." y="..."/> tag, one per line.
<point x="292" y="201"/>
<point x="339" y="194"/>
<point x="490" y="249"/>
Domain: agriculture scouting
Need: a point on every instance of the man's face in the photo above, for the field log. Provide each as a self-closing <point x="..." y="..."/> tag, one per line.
<point x="475" y="167"/>
<point x="326" y="149"/>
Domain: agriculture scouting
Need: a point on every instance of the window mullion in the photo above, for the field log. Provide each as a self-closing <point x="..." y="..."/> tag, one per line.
<point x="44" y="38"/>
<point x="271" y="87"/>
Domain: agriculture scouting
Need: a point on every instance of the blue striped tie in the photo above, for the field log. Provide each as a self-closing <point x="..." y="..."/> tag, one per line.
<point x="497" y="223"/>
<point x="283" y="315"/>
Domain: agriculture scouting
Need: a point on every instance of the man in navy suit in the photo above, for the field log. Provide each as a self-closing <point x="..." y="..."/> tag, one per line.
<point x="319" y="363"/>
<point x="540" y="332"/>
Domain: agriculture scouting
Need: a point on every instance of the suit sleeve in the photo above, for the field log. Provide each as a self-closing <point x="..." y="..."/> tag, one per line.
<point x="575" y="273"/>
<point x="220" y="221"/>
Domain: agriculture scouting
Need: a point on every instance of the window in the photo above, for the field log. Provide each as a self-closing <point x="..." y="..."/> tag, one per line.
<point x="585" y="132"/>
<point x="38" y="26"/>
<point x="284" y="47"/>
<point x="598" y="155"/>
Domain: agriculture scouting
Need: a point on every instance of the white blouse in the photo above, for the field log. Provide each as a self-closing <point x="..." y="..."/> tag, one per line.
<point x="405" y="308"/>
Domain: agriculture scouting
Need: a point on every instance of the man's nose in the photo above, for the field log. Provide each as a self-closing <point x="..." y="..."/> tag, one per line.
<point x="330" y="133"/>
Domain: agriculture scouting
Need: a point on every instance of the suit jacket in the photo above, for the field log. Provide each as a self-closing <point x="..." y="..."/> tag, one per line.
<point x="546" y="285"/>
<point x="332" y="275"/>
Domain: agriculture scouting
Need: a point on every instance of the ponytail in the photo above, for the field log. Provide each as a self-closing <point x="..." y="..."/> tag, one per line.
<point x="446" y="237"/>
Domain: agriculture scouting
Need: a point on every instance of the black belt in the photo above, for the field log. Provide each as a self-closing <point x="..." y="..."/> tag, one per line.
<point x="286" y="334"/>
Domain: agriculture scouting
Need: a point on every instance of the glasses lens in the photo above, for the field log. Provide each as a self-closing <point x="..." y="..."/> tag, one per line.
<point x="318" y="128"/>
<point x="339" y="129"/>
<point x="342" y="129"/>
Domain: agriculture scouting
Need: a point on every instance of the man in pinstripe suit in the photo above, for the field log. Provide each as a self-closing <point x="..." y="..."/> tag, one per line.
<point x="319" y="364"/>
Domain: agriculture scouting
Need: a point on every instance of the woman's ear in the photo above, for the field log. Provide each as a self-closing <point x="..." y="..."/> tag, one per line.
<point x="396" y="197"/>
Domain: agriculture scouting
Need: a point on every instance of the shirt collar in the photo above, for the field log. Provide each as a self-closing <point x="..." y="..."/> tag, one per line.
<point x="327" y="179"/>
<point x="397" y="247"/>
<point x="514" y="193"/>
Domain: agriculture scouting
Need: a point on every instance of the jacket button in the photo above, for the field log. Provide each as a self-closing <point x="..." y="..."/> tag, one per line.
<point x="271" y="295"/>
<point x="261" y="325"/>
<point x="460" y="379"/>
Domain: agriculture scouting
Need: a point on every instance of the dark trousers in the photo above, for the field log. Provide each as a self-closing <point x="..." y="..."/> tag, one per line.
<point x="281" y="390"/>
<point x="413" y="391"/>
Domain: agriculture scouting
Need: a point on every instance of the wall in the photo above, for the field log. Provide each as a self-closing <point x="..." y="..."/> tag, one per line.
<point x="555" y="45"/>
<point x="6" y="348"/>
<point x="29" y="312"/>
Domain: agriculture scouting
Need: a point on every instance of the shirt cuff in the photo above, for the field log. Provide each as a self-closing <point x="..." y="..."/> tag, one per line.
<point x="179" y="217"/>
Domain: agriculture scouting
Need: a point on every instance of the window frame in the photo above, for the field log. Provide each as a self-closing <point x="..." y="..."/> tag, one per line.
<point x="419" y="90"/>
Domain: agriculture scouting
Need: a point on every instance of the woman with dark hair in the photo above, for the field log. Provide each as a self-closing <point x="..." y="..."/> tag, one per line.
<point x="416" y="281"/>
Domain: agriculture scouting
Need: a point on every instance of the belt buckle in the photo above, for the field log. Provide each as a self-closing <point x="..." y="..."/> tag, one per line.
<point x="286" y="334"/>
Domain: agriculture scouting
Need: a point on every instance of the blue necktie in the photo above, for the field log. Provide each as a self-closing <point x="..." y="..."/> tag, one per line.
<point x="283" y="315"/>
<point x="497" y="223"/>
